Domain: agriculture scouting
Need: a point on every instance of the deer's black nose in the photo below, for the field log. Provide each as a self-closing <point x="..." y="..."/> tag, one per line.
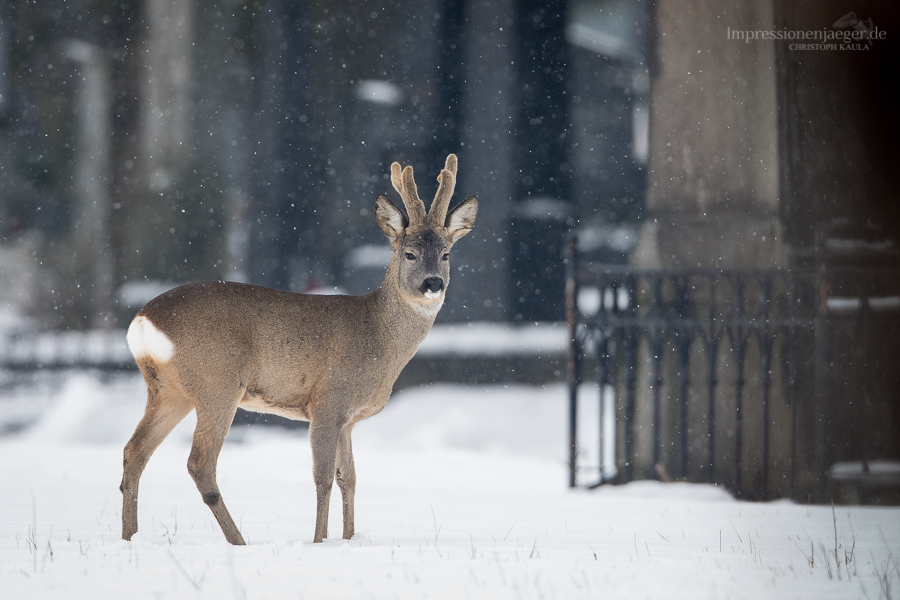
<point x="433" y="285"/>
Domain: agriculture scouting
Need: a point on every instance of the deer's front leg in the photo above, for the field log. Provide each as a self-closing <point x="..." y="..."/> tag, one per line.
<point x="324" y="437"/>
<point x="346" y="478"/>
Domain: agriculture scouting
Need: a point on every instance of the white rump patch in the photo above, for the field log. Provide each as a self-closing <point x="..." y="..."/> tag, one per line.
<point x="144" y="339"/>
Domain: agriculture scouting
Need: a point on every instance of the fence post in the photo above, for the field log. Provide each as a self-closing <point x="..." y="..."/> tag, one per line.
<point x="792" y="332"/>
<point x="766" y="344"/>
<point x="739" y="342"/>
<point x="821" y="355"/>
<point x="573" y="356"/>
<point x="683" y="336"/>
<point x="711" y="352"/>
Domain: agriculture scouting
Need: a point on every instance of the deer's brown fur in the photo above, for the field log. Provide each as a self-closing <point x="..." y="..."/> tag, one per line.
<point x="332" y="360"/>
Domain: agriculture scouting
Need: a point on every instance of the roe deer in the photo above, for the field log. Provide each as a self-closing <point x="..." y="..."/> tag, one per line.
<point x="330" y="360"/>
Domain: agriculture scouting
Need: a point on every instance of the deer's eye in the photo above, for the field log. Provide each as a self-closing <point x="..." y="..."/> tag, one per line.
<point x="410" y="256"/>
<point x="446" y="256"/>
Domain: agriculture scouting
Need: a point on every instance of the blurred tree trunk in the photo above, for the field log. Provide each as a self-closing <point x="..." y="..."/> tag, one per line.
<point x="287" y="227"/>
<point x="92" y="177"/>
<point x="542" y="179"/>
<point x="450" y="76"/>
<point x="166" y="112"/>
<point x="155" y="244"/>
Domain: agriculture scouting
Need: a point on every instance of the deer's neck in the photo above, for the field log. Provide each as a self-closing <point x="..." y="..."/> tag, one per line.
<point x="406" y="322"/>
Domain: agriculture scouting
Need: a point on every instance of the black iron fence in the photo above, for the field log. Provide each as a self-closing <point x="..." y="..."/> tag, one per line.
<point x="758" y="380"/>
<point x="54" y="350"/>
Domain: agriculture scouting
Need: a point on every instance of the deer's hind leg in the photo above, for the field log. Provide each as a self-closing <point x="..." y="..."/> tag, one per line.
<point x="166" y="407"/>
<point x="213" y="421"/>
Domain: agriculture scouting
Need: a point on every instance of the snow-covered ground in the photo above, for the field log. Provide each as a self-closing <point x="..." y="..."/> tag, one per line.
<point x="461" y="494"/>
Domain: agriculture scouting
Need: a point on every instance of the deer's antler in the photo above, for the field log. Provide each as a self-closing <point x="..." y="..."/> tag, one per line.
<point x="403" y="182"/>
<point x="447" y="180"/>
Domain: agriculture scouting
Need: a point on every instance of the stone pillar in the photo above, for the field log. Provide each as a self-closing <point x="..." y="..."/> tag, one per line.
<point x="712" y="201"/>
<point x="712" y="197"/>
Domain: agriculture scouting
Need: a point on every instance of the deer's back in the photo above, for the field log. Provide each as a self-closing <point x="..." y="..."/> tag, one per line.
<point x="284" y="349"/>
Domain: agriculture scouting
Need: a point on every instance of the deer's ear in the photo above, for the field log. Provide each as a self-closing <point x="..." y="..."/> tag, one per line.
<point x="390" y="219"/>
<point x="461" y="219"/>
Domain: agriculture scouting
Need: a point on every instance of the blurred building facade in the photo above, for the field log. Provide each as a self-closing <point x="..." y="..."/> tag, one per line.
<point x="166" y="141"/>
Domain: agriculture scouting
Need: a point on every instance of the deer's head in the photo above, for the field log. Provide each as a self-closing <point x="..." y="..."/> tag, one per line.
<point x="422" y="241"/>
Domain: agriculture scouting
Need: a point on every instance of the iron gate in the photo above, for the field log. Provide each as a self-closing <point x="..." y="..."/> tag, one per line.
<point x="733" y="377"/>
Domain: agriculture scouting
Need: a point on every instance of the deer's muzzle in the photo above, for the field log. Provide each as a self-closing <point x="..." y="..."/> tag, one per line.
<point x="432" y="287"/>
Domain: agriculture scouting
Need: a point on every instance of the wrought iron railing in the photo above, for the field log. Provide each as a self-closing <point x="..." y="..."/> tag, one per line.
<point x="704" y="366"/>
<point x="53" y="350"/>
